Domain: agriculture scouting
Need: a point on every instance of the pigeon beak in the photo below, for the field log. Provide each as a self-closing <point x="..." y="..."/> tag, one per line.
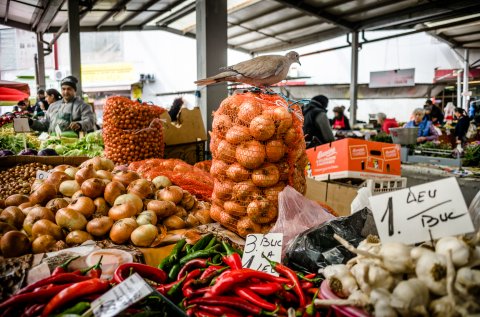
<point x="298" y="61"/>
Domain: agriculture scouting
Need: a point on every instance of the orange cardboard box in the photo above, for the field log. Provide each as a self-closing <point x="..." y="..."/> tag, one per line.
<point x="354" y="158"/>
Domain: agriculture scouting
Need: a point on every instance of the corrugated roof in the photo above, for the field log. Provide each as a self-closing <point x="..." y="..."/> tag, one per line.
<point x="259" y="26"/>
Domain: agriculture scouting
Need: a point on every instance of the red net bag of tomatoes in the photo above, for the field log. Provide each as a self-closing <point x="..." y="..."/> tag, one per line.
<point x="132" y="131"/>
<point x="258" y="148"/>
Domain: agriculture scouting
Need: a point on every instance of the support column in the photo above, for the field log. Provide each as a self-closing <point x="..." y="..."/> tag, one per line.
<point x="40" y="64"/>
<point x="211" y="35"/>
<point x="74" y="39"/>
<point x="459" y="88"/>
<point x="465" y="81"/>
<point x="354" y="79"/>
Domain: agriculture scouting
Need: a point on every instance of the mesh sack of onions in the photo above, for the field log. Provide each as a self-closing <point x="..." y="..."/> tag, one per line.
<point x="132" y="130"/>
<point x="258" y="148"/>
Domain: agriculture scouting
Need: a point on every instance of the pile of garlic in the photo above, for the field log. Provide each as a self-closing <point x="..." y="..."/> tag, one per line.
<point x="394" y="279"/>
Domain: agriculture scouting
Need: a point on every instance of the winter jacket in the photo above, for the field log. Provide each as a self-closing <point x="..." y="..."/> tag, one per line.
<point x="461" y="128"/>
<point x="316" y="126"/>
<point x="389" y="123"/>
<point x="425" y="129"/>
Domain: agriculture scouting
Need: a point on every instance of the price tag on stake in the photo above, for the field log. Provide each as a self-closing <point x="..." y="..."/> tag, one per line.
<point x="420" y="213"/>
<point x="42" y="174"/>
<point x="269" y="244"/>
<point x="58" y="131"/>
<point x="20" y="125"/>
<point x="121" y="296"/>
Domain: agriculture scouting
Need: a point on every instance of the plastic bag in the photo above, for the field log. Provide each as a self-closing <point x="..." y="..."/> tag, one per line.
<point x="361" y="201"/>
<point x="316" y="248"/>
<point x="474" y="211"/>
<point x="297" y="214"/>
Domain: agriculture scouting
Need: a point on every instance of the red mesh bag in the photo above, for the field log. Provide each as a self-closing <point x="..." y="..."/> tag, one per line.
<point x="190" y="178"/>
<point x="258" y="148"/>
<point x="132" y="130"/>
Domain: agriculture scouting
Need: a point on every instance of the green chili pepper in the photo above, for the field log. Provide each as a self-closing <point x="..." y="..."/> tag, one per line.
<point x="172" y="275"/>
<point x="216" y="258"/>
<point x="78" y="309"/>
<point x="175" y="287"/>
<point x="200" y="254"/>
<point x="310" y="310"/>
<point x="203" y="242"/>
<point x="211" y="243"/>
<point x="188" y="248"/>
<point x="168" y="262"/>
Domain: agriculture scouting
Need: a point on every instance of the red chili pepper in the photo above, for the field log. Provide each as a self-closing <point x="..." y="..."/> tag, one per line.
<point x="75" y="291"/>
<point x="220" y="310"/>
<point x="210" y="270"/>
<point x="254" y="298"/>
<point x="265" y="289"/>
<point x="306" y="285"/>
<point x="200" y="313"/>
<point x="164" y="288"/>
<point x="63" y="268"/>
<point x="193" y="264"/>
<point x="288" y="297"/>
<point x="310" y="276"/>
<point x="152" y="273"/>
<point x="96" y="270"/>
<point x="38" y="297"/>
<point x="312" y="291"/>
<point x="57" y="279"/>
<point x="191" y="293"/>
<point x="229" y="301"/>
<point x="190" y="312"/>
<point x="33" y="310"/>
<point x="232" y="258"/>
<point x="230" y="278"/>
<point x="282" y="269"/>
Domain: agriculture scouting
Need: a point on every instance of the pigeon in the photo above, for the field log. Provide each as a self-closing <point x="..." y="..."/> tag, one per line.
<point x="261" y="71"/>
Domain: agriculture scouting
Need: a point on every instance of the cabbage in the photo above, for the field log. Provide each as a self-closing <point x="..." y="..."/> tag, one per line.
<point x="6" y="153"/>
<point x="60" y="149"/>
<point x="47" y="152"/>
<point x="28" y="152"/>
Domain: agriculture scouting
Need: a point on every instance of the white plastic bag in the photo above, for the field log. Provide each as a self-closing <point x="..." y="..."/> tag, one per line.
<point x="474" y="211"/>
<point x="361" y="201"/>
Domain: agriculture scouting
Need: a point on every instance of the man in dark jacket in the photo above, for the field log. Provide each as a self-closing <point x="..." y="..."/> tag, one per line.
<point x="316" y="126"/>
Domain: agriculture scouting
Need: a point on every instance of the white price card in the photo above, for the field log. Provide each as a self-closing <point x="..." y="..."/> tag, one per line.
<point x="121" y="296"/>
<point x="420" y="213"/>
<point x="269" y="244"/>
<point x="42" y="174"/>
<point x="58" y="132"/>
<point x="20" y="125"/>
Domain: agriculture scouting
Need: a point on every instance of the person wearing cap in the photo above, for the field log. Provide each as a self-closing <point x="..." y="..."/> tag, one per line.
<point x="316" y="126"/>
<point x="70" y="113"/>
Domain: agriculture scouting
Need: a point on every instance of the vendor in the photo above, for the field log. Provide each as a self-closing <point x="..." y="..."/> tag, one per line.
<point x="426" y="130"/>
<point x="340" y="122"/>
<point x="70" y="113"/>
<point x="461" y="128"/>
<point x="386" y="123"/>
<point x="316" y="127"/>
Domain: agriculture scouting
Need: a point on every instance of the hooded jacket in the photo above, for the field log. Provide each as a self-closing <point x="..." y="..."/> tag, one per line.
<point x="316" y="126"/>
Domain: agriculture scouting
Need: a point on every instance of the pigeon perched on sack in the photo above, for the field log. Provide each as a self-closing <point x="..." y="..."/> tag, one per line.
<point x="261" y="71"/>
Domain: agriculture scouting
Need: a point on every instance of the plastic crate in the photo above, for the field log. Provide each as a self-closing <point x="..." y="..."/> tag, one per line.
<point x="404" y="136"/>
<point x="384" y="186"/>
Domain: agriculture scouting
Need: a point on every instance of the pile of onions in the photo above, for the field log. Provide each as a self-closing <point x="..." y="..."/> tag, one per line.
<point x="258" y="148"/>
<point x="132" y="131"/>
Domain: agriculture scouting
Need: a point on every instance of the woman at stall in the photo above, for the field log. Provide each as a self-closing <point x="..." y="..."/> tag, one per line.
<point x="461" y="128"/>
<point x="426" y="130"/>
<point x="340" y="122"/>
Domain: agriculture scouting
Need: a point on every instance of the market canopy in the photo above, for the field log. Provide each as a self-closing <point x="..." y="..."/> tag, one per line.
<point x="11" y="94"/>
<point x="256" y="26"/>
<point x="22" y="87"/>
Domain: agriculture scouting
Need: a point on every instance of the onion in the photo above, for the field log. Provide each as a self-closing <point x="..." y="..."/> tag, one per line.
<point x="291" y="137"/>
<point x="235" y="209"/>
<point x="113" y="190"/>
<point x="93" y="187"/>
<point x="46" y="227"/>
<point x="104" y="174"/>
<point x="35" y="214"/>
<point x="283" y="119"/>
<point x="245" y="191"/>
<point x="101" y="207"/>
<point x="237" y="173"/>
<point x="43" y="194"/>
<point x="223" y="190"/>
<point x="125" y="210"/>
<point x="250" y="154"/>
<point x="61" y="168"/>
<point x="218" y="168"/>
<point x="83" y="205"/>
<point x="122" y="229"/>
<point x="262" y="128"/>
<point x="13" y="216"/>
<point x="70" y="219"/>
<point x="147" y="217"/>
<point x="271" y="193"/>
<point x="170" y="193"/>
<point x="16" y="200"/>
<point x="77" y="195"/>
<point x="188" y="201"/>
<point x="25" y="205"/>
<point x="141" y="187"/>
<point x="5" y="227"/>
<point x="132" y="199"/>
<point x="56" y="178"/>
<point x="225" y="152"/>
<point x="221" y="123"/>
<point x="144" y="235"/>
<point x="215" y="212"/>
<point x="77" y="237"/>
<point x="99" y="163"/>
<point x="43" y="244"/>
<point x="249" y="109"/>
<point x="246" y="226"/>
<point x="238" y="134"/>
<point x="69" y="187"/>
<point x="56" y="204"/>
<point x="36" y="184"/>
<point x="125" y="177"/>
<point x="161" y="182"/>
<point x="192" y="221"/>
<point x="275" y="150"/>
<point x="174" y="223"/>
<point x="181" y="212"/>
<point x="266" y="176"/>
<point x="162" y="208"/>
<point x="14" y="243"/>
<point x="85" y="173"/>
<point x="71" y="171"/>
<point x="203" y="215"/>
<point x="99" y="227"/>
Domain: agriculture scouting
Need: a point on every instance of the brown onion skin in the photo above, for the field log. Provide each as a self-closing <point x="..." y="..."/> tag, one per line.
<point x="113" y="190"/>
<point x="142" y="188"/>
<point x="56" y="178"/>
<point x="83" y="205"/>
<point x="13" y="216"/>
<point x="85" y="173"/>
<point x="56" y="204"/>
<point x="14" y="243"/>
<point x="99" y="227"/>
<point x="43" y="194"/>
<point x="16" y="200"/>
<point x="125" y="177"/>
<point x="162" y="208"/>
<point x="46" y="227"/>
<point x="93" y="187"/>
<point x="122" y="229"/>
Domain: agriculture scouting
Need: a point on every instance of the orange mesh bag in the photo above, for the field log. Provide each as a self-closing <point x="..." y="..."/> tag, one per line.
<point x="257" y="148"/>
<point x="132" y="130"/>
<point x="190" y="178"/>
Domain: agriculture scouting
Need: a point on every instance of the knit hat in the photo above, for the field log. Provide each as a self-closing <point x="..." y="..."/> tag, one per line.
<point x="70" y="81"/>
<point x="323" y="100"/>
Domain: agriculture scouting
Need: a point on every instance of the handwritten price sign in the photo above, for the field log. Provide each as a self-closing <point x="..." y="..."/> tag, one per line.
<point x="269" y="244"/>
<point x="42" y="175"/>
<point x="420" y="213"/>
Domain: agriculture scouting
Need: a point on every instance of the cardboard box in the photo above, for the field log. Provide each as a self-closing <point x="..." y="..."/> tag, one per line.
<point x="190" y="153"/>
<point x="354" y="158"/>
<point x="188" y="129"/>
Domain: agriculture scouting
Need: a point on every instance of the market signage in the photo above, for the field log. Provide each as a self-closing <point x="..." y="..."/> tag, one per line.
<point x="392" y="78"/>
<point x="270" y="245"/>
<point x="421" y="213"/>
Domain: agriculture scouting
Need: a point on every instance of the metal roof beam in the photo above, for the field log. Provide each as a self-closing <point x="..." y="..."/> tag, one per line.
<point x="47" y="16"/>
<point x="374" y="5"/>
<point x="15" y="24"/>
<point x="318" y="13"/>
<point x="137" y="13"/>
<point x="259" y="15"/>
<point x="177" y="15"/>
<point x="470" y="41"/>
<point x="117" y="8"/>
<point x="466" y="34"/>
<point x="168" y="8"/>
<point x="6" y="10"/>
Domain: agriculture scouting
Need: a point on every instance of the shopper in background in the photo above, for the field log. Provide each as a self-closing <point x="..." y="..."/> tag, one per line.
<point x="52" y="95"/>
<point x="426" y="130"/>
<point x="461" y="128"/>
<point x="340" y="122"/>
<point x="70" y="113"/>
<point x="316" y="126"/>
<point x="175" y="108"/>
<point x="40" y="100"/>
<point x="386" y="123"/>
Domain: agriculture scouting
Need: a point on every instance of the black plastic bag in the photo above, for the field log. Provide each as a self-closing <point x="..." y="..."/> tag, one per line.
<point x="316" y="248"/>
